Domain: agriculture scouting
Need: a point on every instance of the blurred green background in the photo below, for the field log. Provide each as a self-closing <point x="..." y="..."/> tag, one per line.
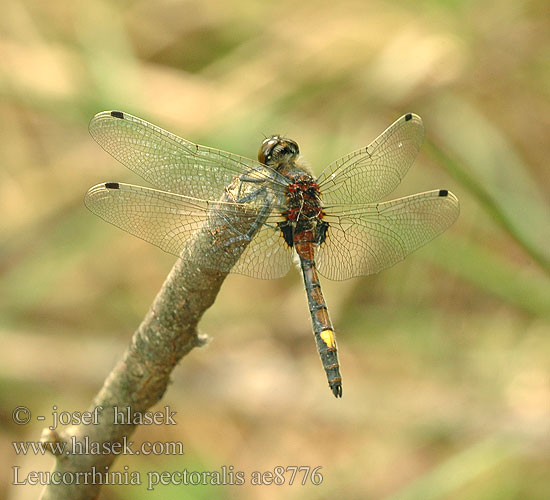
<point x="445" y="357"/>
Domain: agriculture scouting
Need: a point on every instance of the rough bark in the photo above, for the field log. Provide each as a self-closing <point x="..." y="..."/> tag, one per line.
<point x="167" y="333"/>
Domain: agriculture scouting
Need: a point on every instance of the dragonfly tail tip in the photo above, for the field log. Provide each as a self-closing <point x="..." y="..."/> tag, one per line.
<point x="336" y="389"/>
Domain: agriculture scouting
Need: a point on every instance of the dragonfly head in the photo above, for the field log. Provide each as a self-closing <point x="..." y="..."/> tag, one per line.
<point x="276" y="150"/>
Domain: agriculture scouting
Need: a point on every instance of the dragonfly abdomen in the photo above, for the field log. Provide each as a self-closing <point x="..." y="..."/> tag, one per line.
<point x="322" y="326"/>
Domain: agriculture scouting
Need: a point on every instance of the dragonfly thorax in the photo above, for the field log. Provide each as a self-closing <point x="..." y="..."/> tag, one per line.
<point x="303" y="198"/>
<point x="303" y="217"/>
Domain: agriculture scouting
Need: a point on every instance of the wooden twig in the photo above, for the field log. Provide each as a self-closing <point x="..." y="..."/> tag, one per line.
<point x="167" y="333"/>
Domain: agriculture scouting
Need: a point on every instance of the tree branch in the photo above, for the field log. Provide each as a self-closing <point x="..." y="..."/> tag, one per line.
<point x="167" y="333"/>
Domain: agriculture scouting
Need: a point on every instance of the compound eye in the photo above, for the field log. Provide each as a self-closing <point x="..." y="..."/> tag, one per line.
<point x="266" y="149"/>
<point x="292" y="148"/>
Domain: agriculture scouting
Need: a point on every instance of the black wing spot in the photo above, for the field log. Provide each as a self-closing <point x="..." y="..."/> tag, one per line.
<point x="112" y="185"/>
<point x="117" y="114"/>
<point x="443" y="192"/>
<point x="408" y="117"/>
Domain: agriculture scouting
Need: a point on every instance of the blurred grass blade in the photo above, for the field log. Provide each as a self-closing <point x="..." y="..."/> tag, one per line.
<point x="462" y="468"/>
<point x="491" y="272"/>
<point x="489" y="204"/>
<point x="485" y="163"/>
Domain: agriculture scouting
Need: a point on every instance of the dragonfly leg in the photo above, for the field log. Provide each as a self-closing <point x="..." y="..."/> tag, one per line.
<point x="264" y="212"/>
<point x="241" y="237"/>
<point x="250" y="196"/>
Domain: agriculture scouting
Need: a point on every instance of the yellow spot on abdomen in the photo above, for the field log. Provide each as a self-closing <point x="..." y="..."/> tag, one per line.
<point x="328" y="338"/>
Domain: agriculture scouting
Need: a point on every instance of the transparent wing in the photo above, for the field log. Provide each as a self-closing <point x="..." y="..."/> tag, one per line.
<point x="369" y="174"/>
<point x="171" y="222"/>
<point x="267" y="256"/>
<point x="171" y="163"/>
<point x="364" y="240"/>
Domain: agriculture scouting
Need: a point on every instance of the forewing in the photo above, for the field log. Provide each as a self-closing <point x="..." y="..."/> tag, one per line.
<point x="369" y="174"/>
<point x="171" y="163"/>
<point x="367" y="239"/>
<point x="172" y="222"/>
<point x="163" y="219"/>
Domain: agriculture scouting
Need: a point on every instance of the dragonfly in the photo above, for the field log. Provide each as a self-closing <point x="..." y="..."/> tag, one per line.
<point x="271" y="212"/>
